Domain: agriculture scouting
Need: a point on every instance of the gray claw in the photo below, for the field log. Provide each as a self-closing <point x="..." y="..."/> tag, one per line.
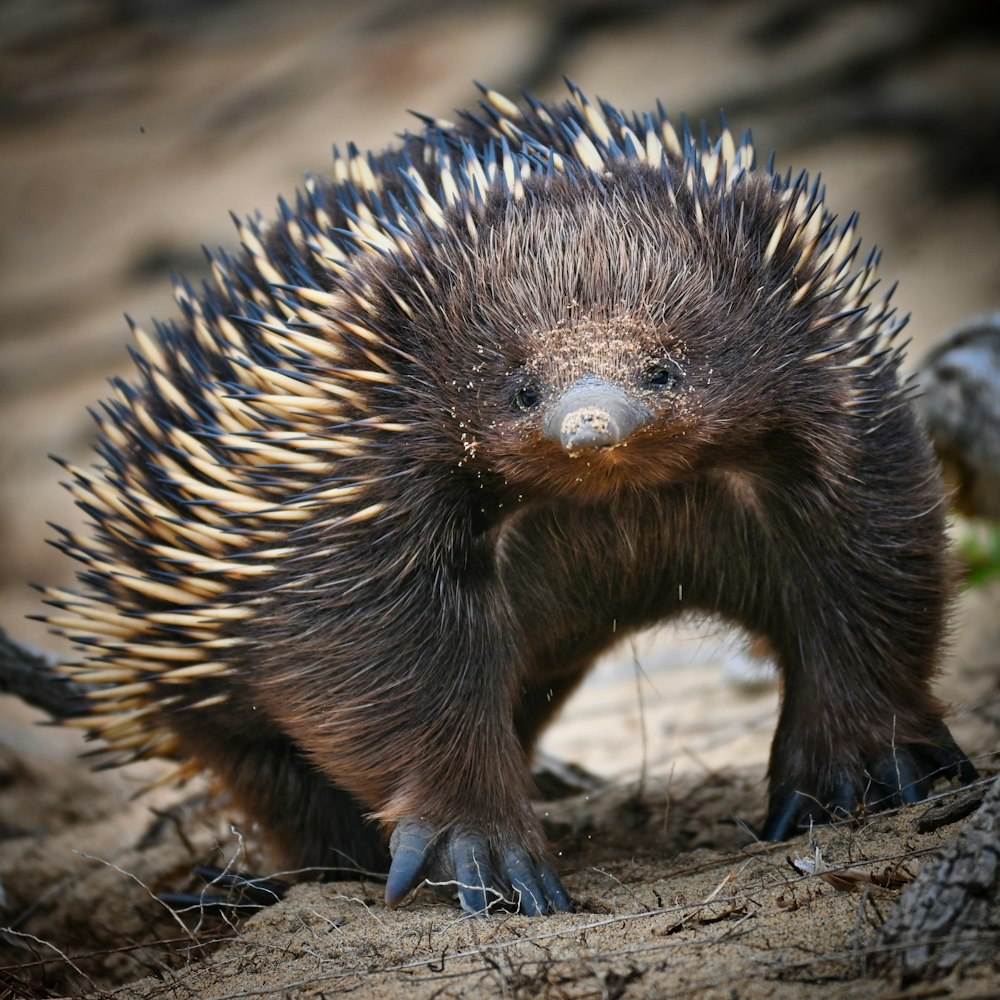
<point x="465" y="858"/>
<point x="899" y="778"/>
<point x="558" y="896"/>
<point x="528" y="891"/>
<point x="902" y="779"/>
<point x="474" y="873"/>
<point x="782" y="817"/>
<point x="410" y="846"/>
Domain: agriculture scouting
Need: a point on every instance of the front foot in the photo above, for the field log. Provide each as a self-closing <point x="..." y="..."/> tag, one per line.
<point x="488" y="876"/>
<point x="901" y="776"/>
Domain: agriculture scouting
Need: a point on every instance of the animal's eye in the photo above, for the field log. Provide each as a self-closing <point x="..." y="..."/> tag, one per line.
<point x="526" y="398"/>
<point x="664" y="375"/>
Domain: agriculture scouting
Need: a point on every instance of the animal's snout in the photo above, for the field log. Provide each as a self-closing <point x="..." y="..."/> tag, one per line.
<point x="593" y="414"/>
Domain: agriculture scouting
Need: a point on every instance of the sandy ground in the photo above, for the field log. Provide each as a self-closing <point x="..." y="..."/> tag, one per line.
<point x="123" y="145"/>
<point x="675" y="896"/>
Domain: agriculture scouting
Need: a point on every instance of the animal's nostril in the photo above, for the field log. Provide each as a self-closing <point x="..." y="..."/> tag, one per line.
<point x="589" y="428"/>
<point x="593" y="414"/>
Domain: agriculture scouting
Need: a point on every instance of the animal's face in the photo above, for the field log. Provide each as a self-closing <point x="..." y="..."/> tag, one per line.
<point x="585" y="341"/>
<point x="588" y="407"/>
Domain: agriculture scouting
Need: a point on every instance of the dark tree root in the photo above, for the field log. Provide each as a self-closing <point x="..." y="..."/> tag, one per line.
<point x="901" y="777"/>
<point x="32" y="675"/>
<point x="486" y="878"/>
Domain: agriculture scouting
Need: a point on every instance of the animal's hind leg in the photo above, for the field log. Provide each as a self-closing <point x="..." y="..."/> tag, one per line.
<point x="313" y="824"/>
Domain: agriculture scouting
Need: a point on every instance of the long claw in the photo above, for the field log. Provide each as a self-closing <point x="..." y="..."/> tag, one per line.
<point x="249" y="893"/>
<point x="967" y="772"/>
<point x="900" y="777"/>
<point x="558" y="896"/>
<point x="911" y="793"/>
<point x="528" y="891"/>
<point x="487" y="876"/>
<point x="262" y="891"/>
<point x="179" y="902"/>
<point x="473" y="873"/>
<point x="782" y="817"/>
<point x="903" y="778"/>
<point x="410" y="845"/>
<point x="841" y="802"/>
<point x="950" y="761"/>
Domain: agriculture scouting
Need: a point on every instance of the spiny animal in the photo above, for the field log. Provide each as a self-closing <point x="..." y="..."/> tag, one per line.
<point x="464" y="416"/>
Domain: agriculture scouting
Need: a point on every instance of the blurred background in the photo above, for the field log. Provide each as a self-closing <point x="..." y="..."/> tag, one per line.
<point x="129" y="129"/>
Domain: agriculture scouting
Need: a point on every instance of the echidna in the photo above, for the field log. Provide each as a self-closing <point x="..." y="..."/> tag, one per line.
<point x="467" y="414"/>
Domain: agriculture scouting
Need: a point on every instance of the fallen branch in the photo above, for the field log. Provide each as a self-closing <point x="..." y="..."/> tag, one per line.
<point x="951" y="913"/>
<point x="32" y="675"/>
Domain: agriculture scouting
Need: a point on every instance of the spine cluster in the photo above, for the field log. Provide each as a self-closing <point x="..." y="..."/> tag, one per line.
<point x="247" y="410"/>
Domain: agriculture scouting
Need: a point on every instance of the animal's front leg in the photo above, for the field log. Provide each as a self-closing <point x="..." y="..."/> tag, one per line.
<point x="856" y="625"/>
<point x="460" y="801"/>
<point x="823" y="769"/>
<point x="405" y="699"/>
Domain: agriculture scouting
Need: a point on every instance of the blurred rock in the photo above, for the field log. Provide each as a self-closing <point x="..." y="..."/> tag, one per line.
<point x="960" y="405"/>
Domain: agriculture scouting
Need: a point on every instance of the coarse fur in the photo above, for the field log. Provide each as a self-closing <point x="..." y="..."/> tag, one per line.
<point x="340" y="559"/>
